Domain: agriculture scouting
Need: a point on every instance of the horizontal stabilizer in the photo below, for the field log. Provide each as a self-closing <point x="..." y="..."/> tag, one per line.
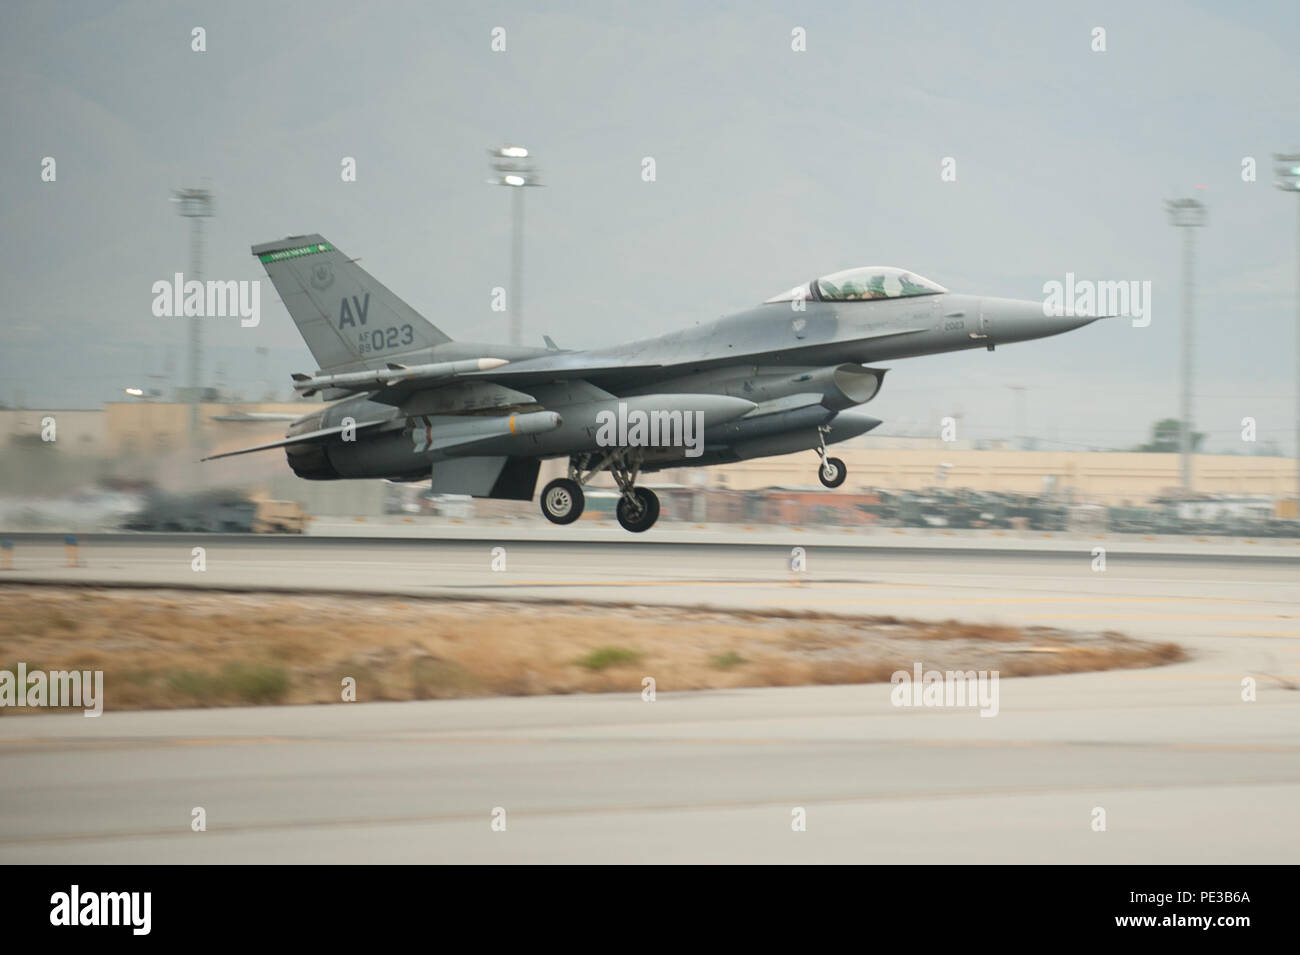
<point x="305" y="438"/>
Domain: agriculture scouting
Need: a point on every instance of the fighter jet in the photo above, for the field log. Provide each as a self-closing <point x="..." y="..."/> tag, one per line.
<point x="409" y="404"/>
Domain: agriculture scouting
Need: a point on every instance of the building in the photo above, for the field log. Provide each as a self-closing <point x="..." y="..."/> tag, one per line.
<point x="149" y="440"/>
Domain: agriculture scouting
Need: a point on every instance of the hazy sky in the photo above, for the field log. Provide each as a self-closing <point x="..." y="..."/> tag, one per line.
<point x="772" y="167"/>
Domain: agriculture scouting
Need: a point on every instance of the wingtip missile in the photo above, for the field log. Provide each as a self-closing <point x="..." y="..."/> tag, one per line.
<point x="394" y="372"/>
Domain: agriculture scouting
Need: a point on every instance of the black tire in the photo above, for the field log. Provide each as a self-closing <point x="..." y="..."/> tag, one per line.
<point x="832" y="473"/>
<point x="643" y="518"/>
<point x="562" y="501"/>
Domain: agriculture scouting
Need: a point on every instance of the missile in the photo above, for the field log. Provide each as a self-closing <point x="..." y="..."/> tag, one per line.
<point x="477" y="431"/>
<point x="474" y="427"/>
<point x="395" y="372"/>
<point x="601" y="425"/>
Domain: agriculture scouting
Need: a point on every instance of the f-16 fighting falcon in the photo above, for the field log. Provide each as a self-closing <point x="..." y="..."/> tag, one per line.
<point x="410" y="404"/>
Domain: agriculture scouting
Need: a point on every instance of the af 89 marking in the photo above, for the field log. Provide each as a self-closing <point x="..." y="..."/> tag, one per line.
<point x="383" y="339"/>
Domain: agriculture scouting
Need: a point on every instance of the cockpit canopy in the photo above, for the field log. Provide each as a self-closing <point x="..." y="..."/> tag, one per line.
<point x="854" y="285"/>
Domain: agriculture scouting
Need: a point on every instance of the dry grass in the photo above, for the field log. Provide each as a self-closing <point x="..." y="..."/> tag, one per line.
<point x="163" y="649"/>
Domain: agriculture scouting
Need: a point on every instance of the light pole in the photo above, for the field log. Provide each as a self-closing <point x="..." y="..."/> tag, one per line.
<point x="195" y="205"/>
<point x="1288" y="180"/>
<point x="514" y="168"/>
<point x="1186" y="214"/>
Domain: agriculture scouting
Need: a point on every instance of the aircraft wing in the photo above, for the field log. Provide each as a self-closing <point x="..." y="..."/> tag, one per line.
<point x="600" y="366"/>
<point x="305" y="438"/>
<point x="392" y="386"/>
<point x="519" y="374"/>
<point x="563" y="367"/>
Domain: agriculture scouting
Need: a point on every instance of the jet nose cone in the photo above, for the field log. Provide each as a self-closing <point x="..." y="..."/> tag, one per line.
<point x="1014" y="320"/>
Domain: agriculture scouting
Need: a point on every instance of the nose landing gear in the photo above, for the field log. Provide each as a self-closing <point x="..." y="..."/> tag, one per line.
<point x="832" y="471"/>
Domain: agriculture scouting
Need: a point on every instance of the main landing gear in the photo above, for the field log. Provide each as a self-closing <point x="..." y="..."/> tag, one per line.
<point x="563" y="501"/>
<point x="832" y="471"/>
<point x="638" y="507"/>
<point x="638" y="511"/>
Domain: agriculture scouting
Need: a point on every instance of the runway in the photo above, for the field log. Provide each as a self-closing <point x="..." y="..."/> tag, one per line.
<point x="1184" y="770"/>
<point x="1200" y="600"/>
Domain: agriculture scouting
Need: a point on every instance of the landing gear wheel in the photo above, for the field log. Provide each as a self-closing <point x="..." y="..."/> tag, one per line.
<point x="563" y="501"/>
<point x="641" y="518"/>
<point x="832" y="472"/>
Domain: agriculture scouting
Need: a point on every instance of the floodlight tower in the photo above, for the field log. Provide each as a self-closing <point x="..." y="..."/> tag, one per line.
<point x="195" y="205"/>
<point x="1288" y="180"/>
<point x="514" y="167"/>
<point x="1187" y="214"/>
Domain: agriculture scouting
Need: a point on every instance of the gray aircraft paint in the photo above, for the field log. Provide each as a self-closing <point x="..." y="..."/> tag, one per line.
<point x="773" y="379"/>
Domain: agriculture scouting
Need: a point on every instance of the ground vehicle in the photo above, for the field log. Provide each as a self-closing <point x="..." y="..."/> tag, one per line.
<point x="279" y="517"/>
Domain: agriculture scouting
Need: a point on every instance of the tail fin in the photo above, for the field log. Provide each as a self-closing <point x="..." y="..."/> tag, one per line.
<point x="345" y="316"/>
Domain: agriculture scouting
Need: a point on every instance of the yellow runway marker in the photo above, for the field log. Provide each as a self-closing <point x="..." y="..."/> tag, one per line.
<point x="80" y="743"/>
<point x="1000" y="601"/>
<point x="1150" y="616"/>
<point x="875" y="585"/>
<point x="1179" y="676"/>
<point x="515" y="584"/>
